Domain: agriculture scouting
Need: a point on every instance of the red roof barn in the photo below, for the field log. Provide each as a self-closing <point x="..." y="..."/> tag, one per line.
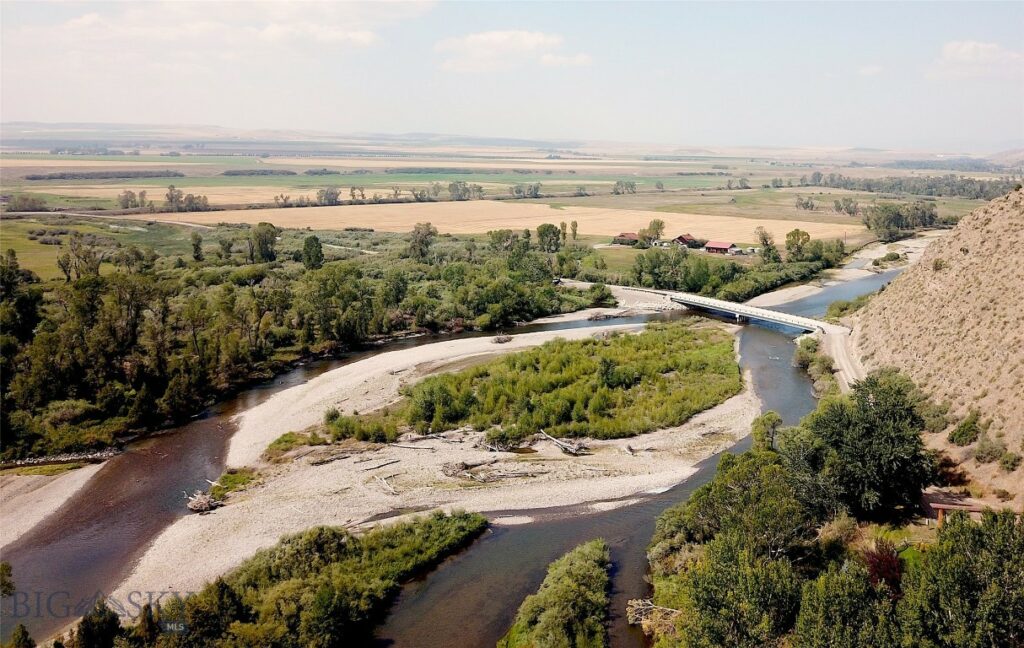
<point x="719" y="247"/>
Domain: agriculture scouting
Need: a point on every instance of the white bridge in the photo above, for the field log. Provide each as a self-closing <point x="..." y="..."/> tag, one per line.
<point x="744" y="312"/>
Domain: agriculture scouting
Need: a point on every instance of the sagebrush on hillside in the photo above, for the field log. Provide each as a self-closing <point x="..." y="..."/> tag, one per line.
<point x="954" y="324"/>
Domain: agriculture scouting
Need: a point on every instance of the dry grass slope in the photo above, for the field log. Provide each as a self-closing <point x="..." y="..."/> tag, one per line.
<point x="955" y="323"/>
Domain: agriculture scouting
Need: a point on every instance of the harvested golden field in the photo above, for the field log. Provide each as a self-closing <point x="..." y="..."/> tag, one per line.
<point x="954" y="323"/>
<point x="229" y="195"/>
<point x="71" y="162"/>
<point x="534" y="164"/>
<point x="475" y="217"/>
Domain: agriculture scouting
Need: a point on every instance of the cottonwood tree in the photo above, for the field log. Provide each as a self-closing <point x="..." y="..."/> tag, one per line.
<point x="769" y="252"/>
<point x="197" y="245"/>
<point x="548" y="237"/>
<point x="312" y="253"/>
<point x="421" y="238"/>
<point x="796" y="242"/>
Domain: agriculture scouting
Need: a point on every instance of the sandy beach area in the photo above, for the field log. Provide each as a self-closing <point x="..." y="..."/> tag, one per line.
<point x="357" y="484"/>
<point x="858" y="267"/>
<point x="28" y="499"/>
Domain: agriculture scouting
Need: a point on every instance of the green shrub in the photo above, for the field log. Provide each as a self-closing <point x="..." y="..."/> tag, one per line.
<point x="842" y="307"/>
<point x="232" y="480"/>
<point x="616" y="387"/>
<point x="967" y="431"/>
<point x="571" y="605"/>
<point x="1009" y="461"/>
<point x="989" y="450"/>
<point x="289" y="441"/>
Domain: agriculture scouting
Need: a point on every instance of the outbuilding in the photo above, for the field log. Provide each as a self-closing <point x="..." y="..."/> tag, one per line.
<point x="720" y="247"/>
<point x="626" y="238"/>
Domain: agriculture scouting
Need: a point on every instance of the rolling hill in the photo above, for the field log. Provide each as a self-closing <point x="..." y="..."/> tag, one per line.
<point x="954" y="322"/>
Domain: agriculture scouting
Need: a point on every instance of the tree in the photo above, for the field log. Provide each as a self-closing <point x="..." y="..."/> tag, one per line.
<point x="796" y="241"/>
<point x="20" y="638"/>
<point x="312" y="253"/>
<point x="328" y="196"/>
<point x="764" y="428"/>
<point x="563" y="230"/>
<point x="659" y="185"/>
<point x="99" y="628"/>
<point x="146" y="629"/>
<point x="654" y="231"/>
<point x="175" y="198"/>
<point x="968" y="589"/>
<point x="736" y="598"/>
<point x="197" y="245"/>
<point x="263" y="239"/>
<point x="421" y="238"/>
<point x="769" y="253"/>
<point x="6" y="579"/>
<point x="573" y="227"/>
<point x="502" y="240"/>
<point x="225" y="247"/>
<point x="840" y="609"/>
<point x="548" y="237"/>
<point x="869" y="446"/>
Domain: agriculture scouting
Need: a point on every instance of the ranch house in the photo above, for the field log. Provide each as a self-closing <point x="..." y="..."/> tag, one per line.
<point x="720" y="247"/>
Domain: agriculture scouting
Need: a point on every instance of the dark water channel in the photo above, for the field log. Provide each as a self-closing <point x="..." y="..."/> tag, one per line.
<point x="91" y="543"/>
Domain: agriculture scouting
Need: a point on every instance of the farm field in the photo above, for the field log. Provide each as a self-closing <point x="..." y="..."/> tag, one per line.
<point x="779" y="204"/>
<point x="481" y="216"/>
<point x="21" y="236"/>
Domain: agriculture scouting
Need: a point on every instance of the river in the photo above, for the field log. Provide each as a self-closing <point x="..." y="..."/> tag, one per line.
<point x="89" y="545"/>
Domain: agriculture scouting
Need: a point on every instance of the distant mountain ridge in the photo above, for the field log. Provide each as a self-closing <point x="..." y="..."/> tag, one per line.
<point x="954" y="322"/>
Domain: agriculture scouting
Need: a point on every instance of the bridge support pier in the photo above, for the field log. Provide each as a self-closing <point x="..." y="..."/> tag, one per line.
<point x="740" y="319"/>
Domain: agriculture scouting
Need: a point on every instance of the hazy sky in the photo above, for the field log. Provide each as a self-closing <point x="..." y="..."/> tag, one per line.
<point x="927" y="75"/>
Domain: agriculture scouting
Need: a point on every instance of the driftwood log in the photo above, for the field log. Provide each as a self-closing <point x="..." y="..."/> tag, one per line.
<point x="386" y="463"/>
<point x="201" y="502"/>
<point x="574" y="448"/>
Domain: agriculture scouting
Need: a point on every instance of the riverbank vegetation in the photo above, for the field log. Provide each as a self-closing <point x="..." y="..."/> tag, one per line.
<point x="131" y="338"/>
<point x="321" y="587"/>
<point x="571" y="606"/>
<point x="619" y="386"/>
<point x="773" y="551"/>
<point x="696" y="272"/>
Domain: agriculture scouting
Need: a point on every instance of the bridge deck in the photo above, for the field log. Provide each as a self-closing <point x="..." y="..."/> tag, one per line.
<point x="752" y="312"/>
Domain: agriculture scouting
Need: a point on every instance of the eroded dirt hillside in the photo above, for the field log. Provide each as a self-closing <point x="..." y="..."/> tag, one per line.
<point x="955" y="323"/>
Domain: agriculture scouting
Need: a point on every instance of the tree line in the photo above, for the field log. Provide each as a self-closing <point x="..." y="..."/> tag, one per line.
<point x="676" y="268"/>
<point x="945" y="185"/>
<point x="768" y="554"/>
<point x="156" y="338"/>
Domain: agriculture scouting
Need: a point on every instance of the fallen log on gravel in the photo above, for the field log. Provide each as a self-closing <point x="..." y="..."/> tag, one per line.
<point x="573" y="448"/>
<point x="386" y="463"/>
